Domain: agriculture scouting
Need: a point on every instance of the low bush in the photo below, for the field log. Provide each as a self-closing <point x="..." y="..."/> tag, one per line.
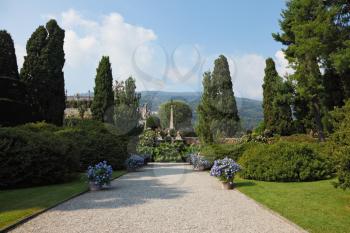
<point x="30" y="158"/>
<point x="134" y="162"/>
<point x="220" y="151"/>
<point x="168" y="152"/>
<point x="285" y="161"/>
<point x="95" y="143"/>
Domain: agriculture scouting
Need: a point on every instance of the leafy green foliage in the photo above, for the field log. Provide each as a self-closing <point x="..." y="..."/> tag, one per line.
<point x="182" y="115"/>
<point x="126" y="114"/>
<point x="102" y="104"/>
<point x="153" y="122"/>
<point x="8" y="61"/>
<point x="341" y="143"/>
<point x="285" y="162"/>
<point x="220" y="151"/>
<point x="30" y="157"/>
<point x="217" y="111"/>
<point x="168" y="152"/>
<point x="146" y="142"/>
<point x="43" y="75"/>
<point x="276" y="102"/>
<point x="96" y="142"/>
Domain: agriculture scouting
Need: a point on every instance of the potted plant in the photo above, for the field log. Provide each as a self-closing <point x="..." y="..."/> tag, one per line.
<point x="99" y="175"/>
<point x="199" y="163"/>
<point x="134" y="162"/>
<point x="225" y="169"/>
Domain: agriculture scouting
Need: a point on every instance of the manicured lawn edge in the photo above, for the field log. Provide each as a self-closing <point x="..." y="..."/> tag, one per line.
<point x="27" y="218"/>
<point x="278" y="215"/>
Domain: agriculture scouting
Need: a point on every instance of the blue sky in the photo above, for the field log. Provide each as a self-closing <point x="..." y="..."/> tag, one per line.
<point x="165" y="45"/>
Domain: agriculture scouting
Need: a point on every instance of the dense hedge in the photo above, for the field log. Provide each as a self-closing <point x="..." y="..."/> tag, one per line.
<point x="97" y="142"/>
<point x="40" y="153"/>
<point x="220" y="151"/>
<point x="285" y="161"/>
<point x="35" y="158"/>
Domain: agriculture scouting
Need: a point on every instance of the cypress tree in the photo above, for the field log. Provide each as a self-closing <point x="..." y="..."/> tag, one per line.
<point x="102" y="104"/>
<point x="8" y="62"/>
<point x="225" y="120"/>
<point x="204" y="110"/>
<point x="269" y="91"/>
<point x="43" y="75"/>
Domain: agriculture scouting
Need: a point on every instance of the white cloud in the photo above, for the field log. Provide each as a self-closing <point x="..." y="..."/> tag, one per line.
<point x="282" y="65"/>
<point x="86" y="41"/>
<point x="20" y="53"/>
<point x="247" y="72"/>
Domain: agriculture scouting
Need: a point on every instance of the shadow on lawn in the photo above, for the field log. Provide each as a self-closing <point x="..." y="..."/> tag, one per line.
<point x="244" y="183"/>
<point x="132" y="189"/>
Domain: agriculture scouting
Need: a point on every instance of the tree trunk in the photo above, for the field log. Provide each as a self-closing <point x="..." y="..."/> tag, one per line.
<point x="318" y="122"/>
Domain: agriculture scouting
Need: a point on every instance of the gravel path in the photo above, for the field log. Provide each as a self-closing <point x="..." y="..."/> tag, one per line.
<point x="160" y="198"/>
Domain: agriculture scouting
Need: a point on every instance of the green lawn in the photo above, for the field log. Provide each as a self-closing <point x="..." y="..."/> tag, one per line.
<point x="17" y="204"/>
<point x="315" y="206"/>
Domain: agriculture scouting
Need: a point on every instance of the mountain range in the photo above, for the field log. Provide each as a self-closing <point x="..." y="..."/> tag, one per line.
<point x="249" y="110"/>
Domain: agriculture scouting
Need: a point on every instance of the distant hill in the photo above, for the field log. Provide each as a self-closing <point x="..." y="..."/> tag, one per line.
<point x="250" y="111"/>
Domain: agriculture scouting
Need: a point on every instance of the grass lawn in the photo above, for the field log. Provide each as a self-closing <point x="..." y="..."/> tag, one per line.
<point x="17" y="204"/>
<point x="315" y="206"/>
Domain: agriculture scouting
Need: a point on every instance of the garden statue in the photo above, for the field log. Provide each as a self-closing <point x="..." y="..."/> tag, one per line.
<point x="178" y="136"/>
<point x="159" y="137"/>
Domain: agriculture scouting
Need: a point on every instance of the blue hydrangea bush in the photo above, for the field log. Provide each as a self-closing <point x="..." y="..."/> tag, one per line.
<point x="100" y="173"/>
<point x="225" y="169"/>
<point x="199" y="162"/>
<point x="134" y="162"/>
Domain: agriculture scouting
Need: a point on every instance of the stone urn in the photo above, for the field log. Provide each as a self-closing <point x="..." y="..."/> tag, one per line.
<point x="94" y="187"/>
<point x="228" y="185"/>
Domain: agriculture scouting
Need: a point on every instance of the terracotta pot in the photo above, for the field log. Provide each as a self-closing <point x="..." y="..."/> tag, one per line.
<point x="94" y="187"/>
<point x="200" y="168"/>
<point x="228" y="185"/>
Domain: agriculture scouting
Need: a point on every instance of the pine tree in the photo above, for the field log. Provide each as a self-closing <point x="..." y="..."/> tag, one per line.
<point x="126" y="114"/>
<point x="102" y="104"/>
<point x="277" y="96"/>
<point x="225" y="119"/>
<point x="43" y="75"/>
<point x="306" y="31"/>
<point x="8" y="62"/>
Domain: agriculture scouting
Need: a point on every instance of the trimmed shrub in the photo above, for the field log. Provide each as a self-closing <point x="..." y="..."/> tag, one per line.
<point x="285" y="161"/>
<point x="30" y="158"/>
<point x="220" y="151"/>
<point x="96" y="143"/>
<point x="168" y="152"/>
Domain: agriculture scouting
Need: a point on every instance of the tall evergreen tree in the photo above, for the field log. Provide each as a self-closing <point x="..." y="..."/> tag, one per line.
<point x="277" y="96"/>
<point x="8" y="62"/>
<point x="204" y="111"/>
<point x="102" y="104"/>
<point x="225" y="120"/>
<point x="217" y="111"/>
<point x="42" y="72"/>
<point x="306" y="33"/>
<point x="126" y="111"/>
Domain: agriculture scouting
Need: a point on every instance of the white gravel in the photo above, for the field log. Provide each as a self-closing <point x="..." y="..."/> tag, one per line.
<point x="161" y="198"/>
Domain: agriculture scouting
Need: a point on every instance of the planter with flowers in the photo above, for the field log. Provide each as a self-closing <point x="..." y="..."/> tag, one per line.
<point x="225" y="169"/>
<point x="134" y="162"/>
<point x="199" y="163"/>
<point x="99" y="175"/>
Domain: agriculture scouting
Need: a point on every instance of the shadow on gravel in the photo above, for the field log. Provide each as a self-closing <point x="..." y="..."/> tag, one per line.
<point x="135" y="188"/>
